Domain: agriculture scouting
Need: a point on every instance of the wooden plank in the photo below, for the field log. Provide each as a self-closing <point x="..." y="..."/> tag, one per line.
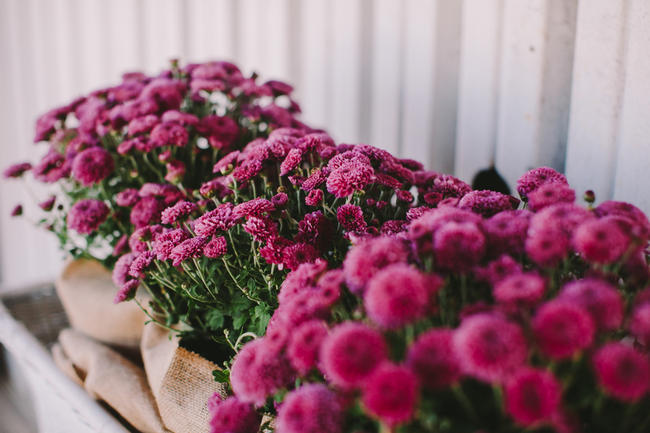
<point x="537" y="52"/>
<point x="596" y="98"/>
<point x="480" y="62"/>
<point x="633" y="162"/>
<point x="211" y="30"/>
<point x="163" y="33"/>
<point x="124" y="44"/>
<point x="386" y="77"/>
<point x="276" y="40"/>
<point x="250" y="34"/>
<point x="92" y="31"/>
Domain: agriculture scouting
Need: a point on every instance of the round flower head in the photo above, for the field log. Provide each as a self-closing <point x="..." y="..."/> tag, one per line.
<point x="458" y="246"/>
<point x="365" y="259"/>
<point x="640" y="324"/>
<point x="300" y="279"/>
<point x="433" y="359"/>
<point x="601" y="300"/>
<point x="92" y="165"/>
<point x="499" y="269"/>
<point x="532" y="395"/>
<point x="314" y="197"/>
<point x="216" y="248"/>
<point x="164" y="243"/>
<point x="601" y="240"/>
<point x="537" y="177"/>
<point x="232" y="416"/>
<point x="351" y="218"/>
<point x="291" y="161"/>
<point x="396" y="295"/>
<point x="561" y="329"/>
<point x="121" y="269"/>
<point x="298" y="253"/>
<point x="348" y="178"/>
<point x="127" y="197"/>
<point x="181" y="209"/>
<point x="350" y="354"/>
<point x="549" y="194"/>
<point x="305" y="344"/>
<point x="489" y="347"/>
<point x="391" y="393"/>
<point x="486" y="203"/>
<point x="525" y="288"/>
<point x="547" y="247"/>
<point x="85" y="216"/>
<point x="127" y="291"/>
<point x="506" y="232"/>
<point x="312" y="408"/>
<point x="622" y="371"/>
<point x="190" y="248"/>
<point x="16" y="170"/>
<point x="146" y="211"/>
<point x="627" y="211"/>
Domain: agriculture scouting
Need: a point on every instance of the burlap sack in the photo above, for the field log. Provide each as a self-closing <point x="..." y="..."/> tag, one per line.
<point x="181" y="381"/>
<point x="109" y="377"/>
<point x="86" y="292"/>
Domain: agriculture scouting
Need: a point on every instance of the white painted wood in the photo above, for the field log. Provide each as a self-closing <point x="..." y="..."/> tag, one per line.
<point x="596" y="98"/>
<point x="276" y="40"/>
<point x="93" y="44"/>
<point x="250" y="34"/>
<point x="387" y="67"/>
<point x="532" y="127"/>
<point x="210" y="30"/>
<point x="633" y="162"/>
<point x="480" y="63"/>
<point x="163" y="33"/>
<point x="125" y="45"/>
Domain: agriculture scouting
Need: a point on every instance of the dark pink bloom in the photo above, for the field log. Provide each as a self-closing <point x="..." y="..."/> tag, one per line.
<point x="628" y="211"/>
<point x="232" y="416"/>
<point x="317" y="178"/>
<point x="561" y="329"/>
<point x="166" y="92"/>
<point x="314" y="197"/>
<point x="397" y="295"/>
<point x="550" y="193"/>
<point x="92" y="165"/>
<point x="388" y="181"/>
<point x="139" y="238"/>
<point x="219" y="219"/>
<point x="121" y="246"/>
<point x="146" y="211"/>
<point x="261" y="228"/>
<point x="601" y="300"/>
<point x="48" y="204"/>
<point x="348" y="178"/>
<point x="601" y="240"/>
<point x="499" y="269"/>
<point x="175" y="171"/>
<point x="404" y="196"/>
<point x="351" y="353"/>
<point x="142" y="124"/>
<point x="532" y="395"/>
<point x="547" y="247"/>
<point x="141" y="263"/>
<point x="640" y="324"/>
<point x="486" y="203"/>
<point x="180" y="210"/>
<point x="126" y="291"/>
<point x="524" y="288"/>
<point x="85" y="216"/>
<point x="190" y="248"/>
<point x="221" y="131"/>
<point x="316" y="230"/>
<point x="622" y="371"/>
<point x="52" y="167"/>
<point x="216" y="248"/>
<point x="312" y="408"/>
<point x="164" y="243"/>
<point x="255" y="207"/>
<point x="46" y="123"/>
<point x="121" y="269"/>
<point x="351" y="218"/>
<point x="506" y="232"/>
<point x="272" y="251"/>
<point x="280" y="200"/>
<point x="291" y="161"/>
<point x="304" y="277"/>
<point x="489" y="347"/>
<point x="368" y="257"/>
<point x="458" y="246"/>
<point x="391" y="393"/>
<point x="304" y="345"/>
<point x="433" y="359"/>
<point x="298" y="253"/>
<point x="449" y="186"/>
<point x="348" y="157"/>
<point x="169" y="134"/>
<point x="226" y="163"/>
<point x="537" y="177"/>
<point x="175" y="116"/>
<point x="16" y="170"/>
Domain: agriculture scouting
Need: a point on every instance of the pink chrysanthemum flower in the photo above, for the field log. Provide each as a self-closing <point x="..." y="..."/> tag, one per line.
<point x="537" y="177"/>
<point x="126" y="291"/>
<point x="489" y="347"/>
<point x="261" y="229"/>
<point x="48" y="204"/>
<point x="92" y="165"/>
<point x="449" y="186"/>
<point x="139" y="238"/>
<point x="219" y="219"/>
<point x="121" y="269"/>
<point x="175" y="171"/>
<point x="422" y="229"/>
<point x="85" y="216"/>
<point x="16" y="170"/>
<point x="16" y="211"/>
<point x="601" y="300"/>
<point x="316" y="230"/>
<point x="164" y="243"/>
<point x="348" y="157"/>
<point x="601" y="240"/>
<point x="121" y="246"/>
<point x="499" y="269"/>
<point x="255" y="207"/>
<point x="291" y="161"/>
<point x="550" y="193"/>
<point x="314" y="197"/>
<point x="127" y="197"/>
<point x="146" y="211"/>
<point x="232" y="416"/>
<point x="190" y="248"/>
<point x="142" y="124"/>
<point x="561" y="329"/>
<point x="506" y="232"/>
<point x="304" y="345"/>
<point x="216" y="248"/>
<point x="280" y="200"/>
<point x="397" y="295"/>
<point x="524" y="288"/>
<point x="141" y="263"/>
<point x="622" y="371"/>
<point x="486" y="203"/>
<point x="351" y="218"/>
<point x="181" y="209"/>
<point x="169" y="134"/>
<point x="348" y="178"/>
<point x="312" y="408"/>
<point x="52" y="167"/>
<point x="300" y="279"/>
<point x="296" y="254"/>
<point x="532" y="396"/>
<point x="351" y="353"/>
<point x="547" y="247"/>
<point x="458" y="246"/>
<point x="640" y="324"/>
<point x="365" y="259"/>
<point x="226" y="163"/>
<point x="628" y="211"/>
<point x="433" y="359"/>
<point x="564" y="217"/>
<point x="391" y="393"/>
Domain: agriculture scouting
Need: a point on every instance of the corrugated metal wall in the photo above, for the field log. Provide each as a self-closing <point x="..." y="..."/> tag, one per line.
<point x="457" y="84"/>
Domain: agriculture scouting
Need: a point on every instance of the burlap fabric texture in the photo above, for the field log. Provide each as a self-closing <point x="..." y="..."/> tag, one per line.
<point x="181" y="381"/>
<point x="86" y="292"/>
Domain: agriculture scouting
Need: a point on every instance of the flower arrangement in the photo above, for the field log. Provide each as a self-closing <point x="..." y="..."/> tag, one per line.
<point x="120" y="155"/>
<point x="474" y="317"/>
<point x="217" y="264"/>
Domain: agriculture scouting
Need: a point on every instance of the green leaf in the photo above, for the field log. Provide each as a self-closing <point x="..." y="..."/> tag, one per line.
<point x="221" y="376"/>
